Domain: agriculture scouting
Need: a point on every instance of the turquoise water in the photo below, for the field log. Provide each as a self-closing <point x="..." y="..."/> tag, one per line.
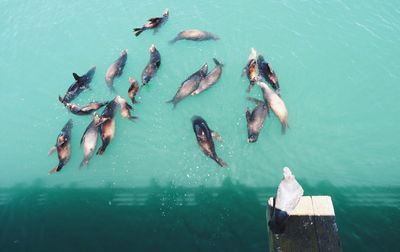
<point x="338" y="66"/>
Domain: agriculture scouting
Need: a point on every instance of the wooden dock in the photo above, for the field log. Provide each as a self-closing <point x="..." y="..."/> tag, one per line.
<point x="311" y="227"/>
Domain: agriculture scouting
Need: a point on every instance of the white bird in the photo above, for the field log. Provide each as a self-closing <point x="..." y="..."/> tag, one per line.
<point x="287" y="197"/>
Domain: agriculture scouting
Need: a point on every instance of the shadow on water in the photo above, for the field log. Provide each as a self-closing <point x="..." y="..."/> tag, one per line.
<point x="168" y="218"/>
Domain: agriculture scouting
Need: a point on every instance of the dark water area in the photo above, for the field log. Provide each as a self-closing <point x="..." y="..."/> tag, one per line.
<point x="168" y="218"/>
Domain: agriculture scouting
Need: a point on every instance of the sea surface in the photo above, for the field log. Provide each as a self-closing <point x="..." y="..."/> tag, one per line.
<point x="338" y="63"/>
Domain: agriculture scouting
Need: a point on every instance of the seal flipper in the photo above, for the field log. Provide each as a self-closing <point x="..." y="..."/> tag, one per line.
<point x="174" y="40"/>
<point x="220" y="162"/>
<point x="243" y="71"/>
<point x="84" y="162"/>
<point x="52" y="150"/>
<point x="76" y="77"/>
<point x="132" y="118"/>
<point x="216" y="136"/>
<point x="156" y="30"/>
<point x="251" y="85"/>
<point x="137" y="31"/>
<point x="217" y="62"/>
<point x="248" y="115"/>
<point x="153" y="19"/>
<point x="101" y="121"/>
<point x="284" y="127"/>
<point x="103" y="147"/>
<point x="112" y="88"/>
<point x="83" y="137"/>
<point x="256" y="101"/>
<point x="57" y="168"/>
<point x="61" y="99"/>
<point x="173" y="101"/>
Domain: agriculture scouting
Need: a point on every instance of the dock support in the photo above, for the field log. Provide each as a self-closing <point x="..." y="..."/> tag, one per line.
<point x="311" y="227"/>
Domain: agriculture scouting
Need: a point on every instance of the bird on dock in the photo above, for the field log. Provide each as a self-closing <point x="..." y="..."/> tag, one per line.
<point x="287" y="197"/>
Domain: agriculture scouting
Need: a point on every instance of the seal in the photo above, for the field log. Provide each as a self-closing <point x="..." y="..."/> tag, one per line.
<point x="63" y="147"/>
<point x="125" y="107"/>
<point x="276" y="104"/>
<point x="287" y="197"/>
<point x="152" y="66"/>
<point x="195" y="35"/>
<point x="89" y="139"/>
<point x="210" y="79"/>
<point x="255" y="120"/>
<point x="189" y="85"/>
<point x="204" y="136"/>
<point x="268" y="74"/>
<point x="133" y="89"/>
<point x="251" y="69"/>
<point x="153" y="23"/>
<point x="116" y="69"/>
<point x="82" y="110"/>
<point x="81" y="83"/>
<point x="107" y="126"/>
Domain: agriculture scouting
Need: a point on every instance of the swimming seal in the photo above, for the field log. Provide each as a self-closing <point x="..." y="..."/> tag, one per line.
<point x="89" y="140"/>
<point x="268" y="74"/>
<point x="276" y="104"/>
<point x="255" y="119"/>
<point x="63" y="147"/>
<point x="210" y="79"/>
<point x="251" y="69"/>
<point x="83" y="110"/>
<point x="153" y="23"/>
<point x="195" y="35"/>
<point x="152" y="66"/>
<point x="133" y="89"/>
<point x="189" y="85"/>
<point x="81" y="83"/>
<point x="125" y="107"/>
<point x="107" y="126"/>
<point x="116" y="69"/>
<point x="204" y="136"/>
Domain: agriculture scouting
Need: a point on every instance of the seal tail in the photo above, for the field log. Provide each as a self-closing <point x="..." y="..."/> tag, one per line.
<point x="137" y="31"/>
<point x="84" y="162"/>
<point x="285" y="126"/>
<point x="57" y="168"/>
<point x="215" y="37"/>
<point x="103" y="147"/>
<point x="217" y="62"/>
<point x="102" y="104"/>
<point x="173" y="101"/>
<point x="251" y="85"/>
<point x="112" y="89"/>
<point x="132" y="118"/>
<point x="221" y="162"/>
<point x="173" y="40"/>
<point x="52" y="150"/>
<point x="256" y="101"/>
<point x="278" y="92"/>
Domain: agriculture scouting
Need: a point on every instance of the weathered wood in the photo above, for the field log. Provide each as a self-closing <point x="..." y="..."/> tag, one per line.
<point x="325" y="224"/>
<point x="311" y="227"/>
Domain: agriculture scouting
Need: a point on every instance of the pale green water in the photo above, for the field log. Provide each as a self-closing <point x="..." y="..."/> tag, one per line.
<point x="338" y="64"/>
